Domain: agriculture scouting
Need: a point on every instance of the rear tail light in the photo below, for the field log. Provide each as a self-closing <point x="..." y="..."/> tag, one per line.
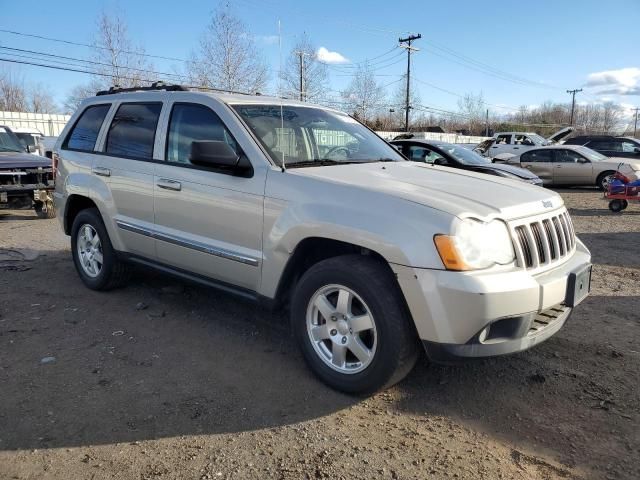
<point x="54" y="164"/>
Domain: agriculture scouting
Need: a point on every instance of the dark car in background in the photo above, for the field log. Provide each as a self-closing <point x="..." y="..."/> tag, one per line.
<point x="609" y="145"/>
<point x="26" y="180"/>
<point x="456" y="156"/>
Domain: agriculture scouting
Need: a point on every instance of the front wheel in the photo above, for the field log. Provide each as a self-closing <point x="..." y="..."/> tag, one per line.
<point x="352" y="326"/>
<point x="603" y="180"/>
<point x="617" y="205"/>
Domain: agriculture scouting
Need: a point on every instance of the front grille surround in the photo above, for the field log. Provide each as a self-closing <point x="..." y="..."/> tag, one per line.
<point x="543" y="241"/>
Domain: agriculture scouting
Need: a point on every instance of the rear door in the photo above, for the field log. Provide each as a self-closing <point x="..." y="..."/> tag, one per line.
<point x="208" y="221"/>
<point x="571" y="168"/>
<point x="540" y="162"/>
<point x="126" y="162"/>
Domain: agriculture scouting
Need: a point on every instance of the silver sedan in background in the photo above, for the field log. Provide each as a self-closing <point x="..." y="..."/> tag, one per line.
<point x="569" y="165"/>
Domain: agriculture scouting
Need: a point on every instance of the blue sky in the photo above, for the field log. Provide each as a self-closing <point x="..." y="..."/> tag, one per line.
<point x="556" y="44"/>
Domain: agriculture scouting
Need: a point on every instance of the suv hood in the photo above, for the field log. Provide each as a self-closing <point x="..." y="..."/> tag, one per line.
<point x="560" y="134"/>
<point x="455" y="191"/>
<point x="12" y="160"/>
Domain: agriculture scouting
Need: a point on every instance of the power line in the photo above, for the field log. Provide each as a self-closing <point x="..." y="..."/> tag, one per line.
<point x="505" y="107"/>
<point x="409" y="48"/>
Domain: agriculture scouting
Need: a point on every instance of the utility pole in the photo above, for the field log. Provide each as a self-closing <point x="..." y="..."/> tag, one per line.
<point x="486" y="124"/>
<point x="409" y="48"/>
<point x="573" y="101"/>
<point x="635" y="122"/>
<point x="301" y="54"/>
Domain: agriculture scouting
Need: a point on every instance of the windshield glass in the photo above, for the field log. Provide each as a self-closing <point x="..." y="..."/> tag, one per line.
<point x="309" y="135"/>
<point x="26" y="138"/>
<point x="537" y="139"/>
<point x="591" y="154"/>
<point x="9" y="142"/>
<point x="464" y="155"/>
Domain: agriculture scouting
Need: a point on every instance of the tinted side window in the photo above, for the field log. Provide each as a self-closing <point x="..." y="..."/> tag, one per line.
<point x="606" y="145"/>
<point x="84" y="133"/>
<point x="192" y="122"/>
<point x="537" y="156"/>
<point x="133" y="130"/>
<point x="568" y="156"/>
<point x="628" y="147"/>
<point x="419" y="153"/>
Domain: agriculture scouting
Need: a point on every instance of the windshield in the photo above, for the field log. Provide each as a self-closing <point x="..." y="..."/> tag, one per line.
<point x="26" y="138"/>
<point x="591" y="154"/>
<point x="538" y="140"/>
<point x="464" y="155"/>
<point x="9" y="142"/>
<point x="310" y="136"/>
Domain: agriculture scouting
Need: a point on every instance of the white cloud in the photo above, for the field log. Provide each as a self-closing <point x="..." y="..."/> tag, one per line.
<point x="328" y="56"/>
<point x="625" y="81"/>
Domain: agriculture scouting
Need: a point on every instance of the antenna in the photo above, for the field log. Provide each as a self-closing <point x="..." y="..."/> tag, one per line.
<point x="279" y="137"/>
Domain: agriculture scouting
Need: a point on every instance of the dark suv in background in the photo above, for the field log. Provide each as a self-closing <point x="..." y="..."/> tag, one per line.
<point x="609" y="145"/>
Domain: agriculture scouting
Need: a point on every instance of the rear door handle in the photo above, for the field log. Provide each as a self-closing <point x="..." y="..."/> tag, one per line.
<point x="101" y="171"/>
<point x="169" y="184"/>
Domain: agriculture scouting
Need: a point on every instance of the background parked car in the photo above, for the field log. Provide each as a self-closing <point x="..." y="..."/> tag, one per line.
<point x="515" y="142"/>
<point x="609" y="145"/>
<point x="570" y="165"/>
<point x="457" y="156"/>
<point x="31" y="138"/>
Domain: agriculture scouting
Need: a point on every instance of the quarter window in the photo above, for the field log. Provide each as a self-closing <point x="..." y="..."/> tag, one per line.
<point x="538" y="156"/>
<point x="133" y="129"/>
<point x="190" y="123"/>
<point x="85" y="132"/>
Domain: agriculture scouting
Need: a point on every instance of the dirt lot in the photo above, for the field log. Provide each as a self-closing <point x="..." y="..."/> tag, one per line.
<point x="201" y="385"/>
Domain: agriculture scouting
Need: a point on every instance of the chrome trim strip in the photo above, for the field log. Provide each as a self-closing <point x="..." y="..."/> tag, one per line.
<point x="198" y="246"/>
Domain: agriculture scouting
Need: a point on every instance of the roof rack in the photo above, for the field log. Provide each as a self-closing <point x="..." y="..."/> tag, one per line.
<point x="154" y="86"/>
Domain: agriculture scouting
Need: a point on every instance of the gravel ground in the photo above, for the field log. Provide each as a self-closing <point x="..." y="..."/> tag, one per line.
<point x="167" y="380"/>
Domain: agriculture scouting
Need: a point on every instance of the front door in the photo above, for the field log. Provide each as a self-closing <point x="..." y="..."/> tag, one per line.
<point x="503" y="144"/>
<point x="571" y="168"/>
<point x="207" y="222"/>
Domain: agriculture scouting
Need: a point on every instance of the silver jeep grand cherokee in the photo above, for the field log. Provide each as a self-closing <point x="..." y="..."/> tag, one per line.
<point x="292" y="204"/>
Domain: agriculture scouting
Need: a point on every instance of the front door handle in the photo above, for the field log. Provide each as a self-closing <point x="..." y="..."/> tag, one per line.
<point x="169" y="184"/>
<point x="101" y="171"/>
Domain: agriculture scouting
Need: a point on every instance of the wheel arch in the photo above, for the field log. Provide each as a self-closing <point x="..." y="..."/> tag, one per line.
<point x="74" y="205"/>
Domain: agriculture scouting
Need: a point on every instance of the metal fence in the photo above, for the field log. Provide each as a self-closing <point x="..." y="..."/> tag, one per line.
<point x="50" y="125"/>
<point x="443" y="137"/>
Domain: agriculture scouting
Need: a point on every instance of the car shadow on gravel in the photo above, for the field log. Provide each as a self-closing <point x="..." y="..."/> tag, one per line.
<point x="620" y="249"/>
<point x="156" y="359"/>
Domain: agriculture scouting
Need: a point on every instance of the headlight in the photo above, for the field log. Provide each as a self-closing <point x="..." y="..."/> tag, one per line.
<point x="474" y="245"/>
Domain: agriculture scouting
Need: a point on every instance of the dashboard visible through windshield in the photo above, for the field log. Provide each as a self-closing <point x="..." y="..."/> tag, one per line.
<point x="311" y="136"/>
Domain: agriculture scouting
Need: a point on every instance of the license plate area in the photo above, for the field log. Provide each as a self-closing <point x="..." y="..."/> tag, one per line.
<point x="578" y="286"/>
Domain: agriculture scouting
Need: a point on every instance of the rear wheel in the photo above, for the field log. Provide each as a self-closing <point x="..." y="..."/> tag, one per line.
<point x="352" y="326"/>
<point x="603" y="180"/>
<point x="616" y="205"/>
<point x="93" y="255"/>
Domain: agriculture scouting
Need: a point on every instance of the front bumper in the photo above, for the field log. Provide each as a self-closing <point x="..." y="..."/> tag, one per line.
<point x="482" y="314"/>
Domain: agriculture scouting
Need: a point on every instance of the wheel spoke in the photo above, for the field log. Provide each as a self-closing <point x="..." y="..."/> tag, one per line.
<point x="95" y="240"/>
<point x="361" y="352"/>
<point x="339" y="355"/>
<point x="320" y="332"/>
<point x="98" y="257"/>
<point x="344" y="302"/>
<point x="361" y="323"/>
<point x="324" y="306"/>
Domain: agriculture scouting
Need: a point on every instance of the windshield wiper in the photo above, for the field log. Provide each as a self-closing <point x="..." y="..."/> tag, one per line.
<point x="318" y="162"/>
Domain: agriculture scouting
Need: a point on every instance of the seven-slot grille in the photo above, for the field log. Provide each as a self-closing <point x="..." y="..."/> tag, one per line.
<point x="544" y="241"/>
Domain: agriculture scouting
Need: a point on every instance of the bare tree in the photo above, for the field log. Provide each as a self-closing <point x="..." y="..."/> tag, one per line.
<point x="41" y="99"/>
<point x="399" y="100"/>
<point x="78" y="94"/>
<point x="473" y="107"/>
<point x="227" y="57"/>
<point x="121" y="61"/>
<point x="13" y="95"/>
<point x="303" y="59"/>
<point x="611" y="117"/>
<point x="364" y="96"/>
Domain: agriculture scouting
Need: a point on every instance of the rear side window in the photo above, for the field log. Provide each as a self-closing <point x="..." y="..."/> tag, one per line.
<point x="84" y="133"/>
<point x="539" y="156"/>
<point x="607" y="145"/>
<point x="189" y="123"/>
<point x="133" y="130"/>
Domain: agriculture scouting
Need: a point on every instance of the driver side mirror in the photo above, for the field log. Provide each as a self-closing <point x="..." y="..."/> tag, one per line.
<point x="637" y="150"/>
<point x="217" y="154"/>
<point x="440" y="161"/>
<point x="583" y="160"/>
<point x="31" y="148"/>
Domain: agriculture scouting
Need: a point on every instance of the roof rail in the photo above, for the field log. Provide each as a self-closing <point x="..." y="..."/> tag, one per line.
<point x="153" y="86"/>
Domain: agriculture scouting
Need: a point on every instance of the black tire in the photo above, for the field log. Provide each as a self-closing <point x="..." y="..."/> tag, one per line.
<point x="616" y="206"/>
<point x="114" y="273"/>
<point x="625" y="204"/>
<point x="600" y="180"/>
<point x="42" y="212"/>
<point x="397" y="343"/>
